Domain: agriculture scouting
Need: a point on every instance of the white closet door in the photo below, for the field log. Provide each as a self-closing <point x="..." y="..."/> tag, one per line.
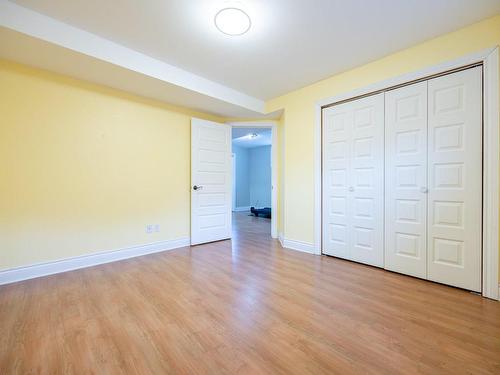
<point x="367" y="181"/>
<point x="337" y="124"/>
<point x="406" y="180"/>
<point x="455" y="179"/>
<point x="353" y="180"/>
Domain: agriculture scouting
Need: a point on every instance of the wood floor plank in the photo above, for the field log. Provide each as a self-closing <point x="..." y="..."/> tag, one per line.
<point x="245" y="306"/>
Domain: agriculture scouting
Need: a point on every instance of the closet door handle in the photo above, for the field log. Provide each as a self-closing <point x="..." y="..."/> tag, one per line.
<point x="351" y="188"/>
<point x="424" y="190"/>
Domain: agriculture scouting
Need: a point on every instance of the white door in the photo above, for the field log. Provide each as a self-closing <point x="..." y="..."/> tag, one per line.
<point x="337" y="123"/>
<point x="211" y="184"/>
<point x="455" y="179"/>
<point x="406" y="180"/>
<point x="353" y="180"/>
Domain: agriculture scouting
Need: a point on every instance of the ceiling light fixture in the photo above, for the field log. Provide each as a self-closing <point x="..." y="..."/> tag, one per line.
<point x="232" y="21"/>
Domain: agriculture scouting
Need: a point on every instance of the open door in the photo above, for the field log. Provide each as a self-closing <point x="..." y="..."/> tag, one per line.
<point x="211" y="181"/>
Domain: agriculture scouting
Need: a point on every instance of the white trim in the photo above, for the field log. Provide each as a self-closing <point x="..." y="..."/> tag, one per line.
<point x="274" y="160"/>
<point x="64" y="265"/>
<point x="37" y="25"/>
<point x="281" y="239"/>
<point x="241" y="209"/>
<point x="317" y="181"/>
<point x="305" y="247"/>
<point x="491" y="175"/>
<point x="274" y="181"/>
<point x="233" y="182"/>
<point x="489" y="58"/>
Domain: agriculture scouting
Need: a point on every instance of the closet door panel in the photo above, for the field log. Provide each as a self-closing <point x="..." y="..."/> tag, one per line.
<point x="455" y="179"/>
<point x="406" y="179"/>
<point x="367" y="181"/>
<point x="353" y="177"/>
<point x="337" y="124"/>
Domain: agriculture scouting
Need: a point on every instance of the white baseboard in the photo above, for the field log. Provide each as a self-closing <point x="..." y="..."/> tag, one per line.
<point x="305" y="247"/>
<point x="50" y="268"/>
<point x="281" y="239"/>
<point x="240" y="209"/>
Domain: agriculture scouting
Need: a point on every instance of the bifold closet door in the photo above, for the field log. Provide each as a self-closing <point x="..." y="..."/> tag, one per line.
<point x="406" y="180"/>
<point x="353" y="180"/>
<point x="455" y="179"/>
<point x="433" y="192"/>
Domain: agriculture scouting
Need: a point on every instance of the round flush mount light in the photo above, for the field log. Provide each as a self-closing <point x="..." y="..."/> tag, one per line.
<point x="232" y="21"/>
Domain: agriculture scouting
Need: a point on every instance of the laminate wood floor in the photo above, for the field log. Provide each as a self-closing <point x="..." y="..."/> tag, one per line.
<point x="245" y="306"/>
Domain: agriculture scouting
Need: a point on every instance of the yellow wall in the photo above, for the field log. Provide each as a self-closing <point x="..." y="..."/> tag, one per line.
<point x="299" y="115"/>
<point x="84" y="168"/>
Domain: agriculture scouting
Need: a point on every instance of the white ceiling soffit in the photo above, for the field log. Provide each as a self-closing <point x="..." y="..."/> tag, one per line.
<point x="37" y="40"/>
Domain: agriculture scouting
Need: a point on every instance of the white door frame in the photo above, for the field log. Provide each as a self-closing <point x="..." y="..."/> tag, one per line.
<point x="233" y="179"/>
<point x="489" y="58"/>
<point x="274" y="159"/>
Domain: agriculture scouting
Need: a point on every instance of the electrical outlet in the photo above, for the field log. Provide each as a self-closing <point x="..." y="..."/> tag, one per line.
<point x="157" y="227"/>
<point x="149" y="228"/>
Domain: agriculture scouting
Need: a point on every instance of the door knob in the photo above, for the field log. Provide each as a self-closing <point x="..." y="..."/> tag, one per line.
<point x="351" y="188"/>
<point x="424" y="190"/>
<point x="197" y="187"/>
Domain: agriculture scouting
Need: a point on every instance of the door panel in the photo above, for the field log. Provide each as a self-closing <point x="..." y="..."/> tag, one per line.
<point x="211" y="173"/>
<point x="353" y="180"/>
<point x="406" y="180"/>
<point x="455" y="179"/>
<point x="337" y="123"/>
<point x="367" y="181"/>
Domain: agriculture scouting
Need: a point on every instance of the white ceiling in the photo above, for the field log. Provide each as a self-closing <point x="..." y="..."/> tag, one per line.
<point x="171" y="51"/>
<point x="44" y="42"/>
<point x="241" y="137"/>
<point x="292" y="43"/>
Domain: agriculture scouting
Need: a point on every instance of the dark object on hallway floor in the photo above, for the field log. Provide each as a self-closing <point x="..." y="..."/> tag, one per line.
<point x="264" y="212"/>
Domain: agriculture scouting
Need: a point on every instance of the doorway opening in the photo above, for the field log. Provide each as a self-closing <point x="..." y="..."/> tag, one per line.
<point x="254" y="179"/>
